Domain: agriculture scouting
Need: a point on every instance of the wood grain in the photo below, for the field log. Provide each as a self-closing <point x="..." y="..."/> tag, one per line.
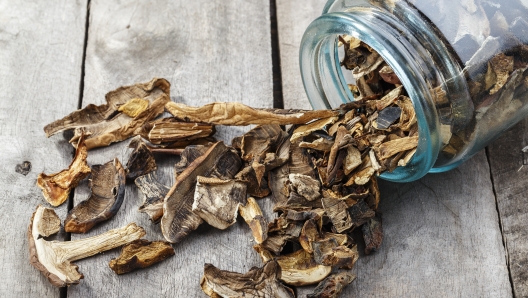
<point x="41" y="47"/>
<point x="209" y="51"/>
<point x="442" y="237"/>
<point x="510" y="175"/>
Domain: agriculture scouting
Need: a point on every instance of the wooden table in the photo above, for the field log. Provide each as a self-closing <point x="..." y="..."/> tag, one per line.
<point x="456" y="234"/>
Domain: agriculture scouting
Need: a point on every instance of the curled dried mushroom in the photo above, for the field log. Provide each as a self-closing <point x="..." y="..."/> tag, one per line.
<point x="140" y="254"/>
<point x="108" y="193"/>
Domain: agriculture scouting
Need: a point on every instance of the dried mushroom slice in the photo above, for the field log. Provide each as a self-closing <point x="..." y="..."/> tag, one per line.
<point x="280" y="231"/>
<point x="168" y="130"/>
<point x="332" y="286"/>
<point x="216" y="201"/>
<point x="372" y="234"/>
<point x="390" y="148"/>
<point x="300" y="269"/>
<point x="253" y="216"/>
<point x="178" y="218"/>
<point x="307" y="129"/>
<point x="258" y="282"/>
<point x="56" y="187"/>
<point x="54" y="259"/>
<point x="140" y="254"/>
<point x="337" y="211"/>
<point x="189" y="154"/>
<point x="154" y="193"/>
<point x="141" y="160"/>
<point x="255" y="189"/>
<point x="106" y="124"/>
<point x="258" y="141"/>
<point x="108" y="192"/>
<point x="336" y="256"/>
<point x="360" y="213"/>
<point x="306" y="186"/>
<point x="234" y="113"/>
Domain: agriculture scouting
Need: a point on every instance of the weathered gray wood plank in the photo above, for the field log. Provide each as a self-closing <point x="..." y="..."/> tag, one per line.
<point x="209" y="51"/>
<point x="509" y="170"/>
<point x="41" y="46"/>
<point x="442" y="237"/>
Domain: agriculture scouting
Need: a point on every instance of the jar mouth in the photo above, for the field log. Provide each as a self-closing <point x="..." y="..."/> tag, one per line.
<point x="324" y="82"/>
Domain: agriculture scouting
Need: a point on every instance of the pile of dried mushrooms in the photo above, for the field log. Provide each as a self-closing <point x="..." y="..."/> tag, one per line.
<point x="320" y="173"/>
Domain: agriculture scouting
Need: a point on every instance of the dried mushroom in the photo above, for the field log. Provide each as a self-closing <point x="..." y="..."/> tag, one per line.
<point x="253" y="216"/>
<point x="178" y="218"/>
<point x="216" y="201"/>
<point x="141" y="160"/>
<point x="112" y="122"/>
<point x="56" y="187"/>
<point x="108" y="193"/>
<point x="154" y="192"/>
<point x="140" y="254"/>
<point x="306" y="186"/>
<point x="300" y="269"/>
<point x="54" y="259"/>
<point x="258" y="282"/>
<point x="332" y="286"/>
<point x="234" y="113"/>
<point x="372" y="234"/>
<point x="169" y="130"/>
<point x="189" y="154"/>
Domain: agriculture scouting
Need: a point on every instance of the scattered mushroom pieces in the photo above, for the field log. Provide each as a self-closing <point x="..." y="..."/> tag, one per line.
<point x="108" y="192"/>
<point x="140" y="254"/>
<point x="154" y="192"/>
<point x="258" y="282"/>
<point x="178" y="219"/>
<point x="217" y="201"/>
<point x="57" y="187"/>
<point x="332" y="286"/>
<point x="106" y="124"/>
<point x="234" y="113"/>
<point x="54" y="259"/>
<point x="141" y="160"/>
<point x="252" y="215"/>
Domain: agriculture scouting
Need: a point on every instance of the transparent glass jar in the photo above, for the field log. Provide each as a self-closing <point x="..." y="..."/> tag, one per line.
<point x="462" y="62"/>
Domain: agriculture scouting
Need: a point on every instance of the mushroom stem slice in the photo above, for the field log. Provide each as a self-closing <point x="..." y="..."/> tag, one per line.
<point x="108" y="193"/>
<point x="56" y="187"/>
<point x="53" y="258"/>
<point x="253" y="216"/>
<point x="258" y="282"/>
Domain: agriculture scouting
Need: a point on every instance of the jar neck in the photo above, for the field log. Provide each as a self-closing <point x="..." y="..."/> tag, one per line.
<point x="430" y="74"/>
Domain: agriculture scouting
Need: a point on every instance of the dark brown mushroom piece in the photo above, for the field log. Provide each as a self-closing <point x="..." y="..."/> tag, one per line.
<point x="178" y="219"/>
<point x="54" y="259"/>
<point x="252" y="215"/>
<point x="217" y="201"/>
<point x="139" y="254"/>
<point x="126" y="110"/>
<point x="170" y="130"/>
<point x="189" y="154"/>
<point x="255" y="189"/>
<point x="360" y="213"/>
<point x="57" y="187"/>
<point x="332" y="286"/>
<point x="307" y="129"/>
<point x="108" y="192"/>
<point x="258" y="282"/>
<point x="327" y="252"/>
<point x="337" y="211"/>
<point x="154" y="193"/>
<point x="141" y="160"/>
<point x="372" y="234"/>
<point x="280" y="231"/>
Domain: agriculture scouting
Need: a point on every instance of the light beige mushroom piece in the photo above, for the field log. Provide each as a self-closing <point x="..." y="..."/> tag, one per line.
<point x="53" y="258"/>
<point x="253" y="216"/>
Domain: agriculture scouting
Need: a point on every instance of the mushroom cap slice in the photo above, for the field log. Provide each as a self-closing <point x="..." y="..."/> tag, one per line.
<point x="108" y="192"/>
<point x="299" y="269"/>
<point x="140" y="253"/>
<point x="53" y="258"/>
<point x="253" y="216"/>
<point x="56" y="187"/>
<point x="258" y="282"/>
<point x="178" y="218"/>
<point x="154" y="193"/>
<point x="141" y="160"/>
<point x="332" y="286"/>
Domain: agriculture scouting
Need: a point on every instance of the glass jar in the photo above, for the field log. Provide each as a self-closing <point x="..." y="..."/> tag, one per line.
<point x="462" y="62"/>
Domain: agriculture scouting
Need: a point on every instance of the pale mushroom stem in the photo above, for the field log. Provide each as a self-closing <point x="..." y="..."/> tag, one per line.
<point x="80" y="249"/>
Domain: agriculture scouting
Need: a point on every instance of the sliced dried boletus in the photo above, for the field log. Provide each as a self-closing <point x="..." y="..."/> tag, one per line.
<point x="56" y="187"/>
<point x="332" y="286"/>
<point x="253" y="216"/>
<point x="141" y="160"/>
<point x="178" y="218"/>
<point x="140" y="253"/>
<point x="258" y="282"/>
<point x="216" y="201"/>
<point x="53" y="258"/>
<point x="126" y="110"/>
<point x="300" y="269"/>
<point x="108" y="192"/>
